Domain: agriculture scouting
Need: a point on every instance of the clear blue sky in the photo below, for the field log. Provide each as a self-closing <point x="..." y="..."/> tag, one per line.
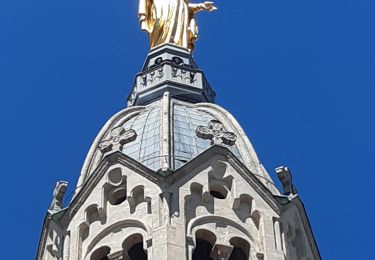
<point x="298" y="75"/>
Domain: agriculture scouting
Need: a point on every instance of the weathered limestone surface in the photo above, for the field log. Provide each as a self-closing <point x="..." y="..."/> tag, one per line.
<point x="167" y="213"/>
<point x="221" y="194"/>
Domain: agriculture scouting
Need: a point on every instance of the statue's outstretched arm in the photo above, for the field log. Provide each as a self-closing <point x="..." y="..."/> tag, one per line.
<point x="206" y="6"/>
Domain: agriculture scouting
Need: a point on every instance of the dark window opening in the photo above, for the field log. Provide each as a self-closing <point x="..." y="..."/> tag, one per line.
<point x="238" y="254"/>
<point x="202" y="250"/>
<point x="217" y="195"/>
<point x="241" y="249"/>
<point x="136" y="252"/>
<point x="101" y="254"/>
<point x="118" y="196"/>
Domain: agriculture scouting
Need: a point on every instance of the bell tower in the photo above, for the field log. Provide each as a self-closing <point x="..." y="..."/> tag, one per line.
<point x="174" y="176"/>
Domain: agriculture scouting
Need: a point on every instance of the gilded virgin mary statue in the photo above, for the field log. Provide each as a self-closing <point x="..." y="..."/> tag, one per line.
<point x="171" y="21"/>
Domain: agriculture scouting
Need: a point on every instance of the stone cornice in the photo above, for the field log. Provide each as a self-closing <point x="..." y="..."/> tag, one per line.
<point x="46" y="223"/>
<point x="298" y="204"/>
<point x="43" y="237"/>
<point x="164" y="182"/>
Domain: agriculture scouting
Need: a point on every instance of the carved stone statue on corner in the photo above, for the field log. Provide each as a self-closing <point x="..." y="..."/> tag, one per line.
<point x="285" y="177"/>
<point x="58" y="196"/>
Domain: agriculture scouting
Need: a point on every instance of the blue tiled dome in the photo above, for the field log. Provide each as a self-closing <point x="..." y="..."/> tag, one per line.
<point x="146" y="148"/>
<point x="185" y="144"/>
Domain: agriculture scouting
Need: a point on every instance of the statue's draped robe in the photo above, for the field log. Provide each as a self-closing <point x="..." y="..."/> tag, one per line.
<point x="169" y="21"/>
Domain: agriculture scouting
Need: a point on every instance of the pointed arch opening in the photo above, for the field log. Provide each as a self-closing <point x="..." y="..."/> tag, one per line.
<point x="241" y="249"/>
<point x="134" y="248"/>
<point x="204" y="242"/>
<point x="101" y="253"/>
<point x="115" y="189"/>
<point x="92" y="214"/>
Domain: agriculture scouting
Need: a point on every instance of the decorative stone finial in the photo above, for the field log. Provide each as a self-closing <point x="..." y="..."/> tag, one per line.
<point x="118" y="138"/>
<point x="215" y="132"/>
<point x="285" y="177"/>
<point x="58" y="196"/>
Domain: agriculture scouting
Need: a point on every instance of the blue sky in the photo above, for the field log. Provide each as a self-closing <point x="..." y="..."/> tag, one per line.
<point x="298" y="76"/>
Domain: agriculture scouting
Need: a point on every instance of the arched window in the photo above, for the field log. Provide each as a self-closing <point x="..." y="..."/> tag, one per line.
<point x="241" y="249"/>
<point x="84" y="231"/>
<point x="133" y="246"/>
<point x="92" y="214"/>
<point x="115" y="189"/>
<point x="203" y="245"/>
<point x="101" y="253"/>
<point x="136" y="252"/>
<point x="202" y="250"/>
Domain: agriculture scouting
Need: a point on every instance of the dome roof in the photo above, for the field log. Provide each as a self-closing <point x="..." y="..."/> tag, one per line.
<point x="161" y="131"/>
<point x="166" y="136"/>
<point x="185" y="143"/>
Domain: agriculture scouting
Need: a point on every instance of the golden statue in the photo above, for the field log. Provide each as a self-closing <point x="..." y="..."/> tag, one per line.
<point x="171" y="21"/>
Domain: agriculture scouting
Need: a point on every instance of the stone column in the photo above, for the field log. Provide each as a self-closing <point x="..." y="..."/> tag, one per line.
<point x="277" y="235"/>
<point x="66" y="254"/>
<point x="165" y="138"/>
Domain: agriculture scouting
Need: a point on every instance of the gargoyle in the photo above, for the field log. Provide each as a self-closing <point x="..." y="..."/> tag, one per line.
<point x="58" y="196"/>
<point x="285" y="177"/>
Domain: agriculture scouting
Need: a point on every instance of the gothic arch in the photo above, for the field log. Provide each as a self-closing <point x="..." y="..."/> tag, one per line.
<point x="137" y="196"/>
<point x="197" y="193"/>
<point x="115" y="189"/>
<point x="205" y="235"/>
<point x="256" y="216"/>
<point x="135" y="226"/>
<point x="135" y="246"/>
<point x="204" y="240"/>
<point x="244" y="207"/>
<point x="93" y="214"/>
<point x="83" y="234"/>
<point x="100" y="253"/>
<point x="195" y="223"/>
<point x="241" y="248"/>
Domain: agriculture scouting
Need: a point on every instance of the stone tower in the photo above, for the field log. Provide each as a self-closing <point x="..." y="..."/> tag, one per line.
<point x="174" y="176"/>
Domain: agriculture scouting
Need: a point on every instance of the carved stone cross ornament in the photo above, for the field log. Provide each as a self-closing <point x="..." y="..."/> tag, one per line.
<point x="118" y="138"/>
<point x="215" y="132"/>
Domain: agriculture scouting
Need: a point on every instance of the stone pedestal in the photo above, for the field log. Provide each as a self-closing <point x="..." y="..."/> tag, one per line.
<point x="170" y="68"/>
